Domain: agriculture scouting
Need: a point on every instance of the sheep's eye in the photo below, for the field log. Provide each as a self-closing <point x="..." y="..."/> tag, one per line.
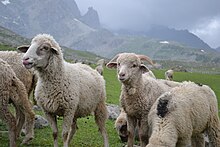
<point x="45" y="47"/>
<point x="134" y="65"/>
<point x="118" y="64"/>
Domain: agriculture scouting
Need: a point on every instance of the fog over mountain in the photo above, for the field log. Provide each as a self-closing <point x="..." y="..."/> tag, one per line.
<point x="201" y="17"/>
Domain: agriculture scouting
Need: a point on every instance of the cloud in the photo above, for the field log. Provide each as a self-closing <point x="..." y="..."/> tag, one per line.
<point x="209" y="30"/>
<point x="138" y="14"/>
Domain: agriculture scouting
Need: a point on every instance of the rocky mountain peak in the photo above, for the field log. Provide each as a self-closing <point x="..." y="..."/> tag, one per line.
<point x="91" y="18"/>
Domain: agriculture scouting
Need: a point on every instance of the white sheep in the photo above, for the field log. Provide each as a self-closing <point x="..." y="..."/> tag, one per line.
<point x="64" y="89"/>
<point x="99" y="67"/>
<point x="26" y="76"/>
<point x="138" y="92"/>
<point x="13" y="90"/>
<point x="183" y="113"/>
<point x="169" y="74"/>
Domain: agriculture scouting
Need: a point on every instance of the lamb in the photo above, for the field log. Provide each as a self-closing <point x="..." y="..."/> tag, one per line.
<point x="121" y="127"/>
<point x="138" y="92"/>
<point x="183" y="113"/>
<point x="100" y="65"/>
<point x="13" y="90"/>
<point x="169" y="74"/>
<point x="65" y="89"/>
<point x="26" y="76"/>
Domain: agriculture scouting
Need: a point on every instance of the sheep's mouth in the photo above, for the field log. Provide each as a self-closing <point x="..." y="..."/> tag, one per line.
<point x="28" y="65"/>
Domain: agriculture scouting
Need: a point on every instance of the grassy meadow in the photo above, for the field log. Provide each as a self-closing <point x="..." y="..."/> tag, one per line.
<point x="87" y="135"/>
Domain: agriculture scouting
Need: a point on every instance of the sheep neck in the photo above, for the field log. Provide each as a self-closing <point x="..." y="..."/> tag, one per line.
<point x="133" y="86"/>
<point x="53" y="71"/>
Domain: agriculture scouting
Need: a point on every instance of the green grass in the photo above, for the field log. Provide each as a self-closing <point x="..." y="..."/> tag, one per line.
<point x="87" y="135"/>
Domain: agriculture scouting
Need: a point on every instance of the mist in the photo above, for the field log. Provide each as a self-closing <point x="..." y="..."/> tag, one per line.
<point x="201" y="17"/>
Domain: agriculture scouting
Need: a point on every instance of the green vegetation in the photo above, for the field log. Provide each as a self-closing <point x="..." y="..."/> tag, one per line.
<point x="87" y="135"/>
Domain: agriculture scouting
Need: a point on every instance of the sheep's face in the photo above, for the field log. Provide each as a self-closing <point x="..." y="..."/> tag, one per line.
<point x="37" y="55"/>
<point x="128" y="66"/>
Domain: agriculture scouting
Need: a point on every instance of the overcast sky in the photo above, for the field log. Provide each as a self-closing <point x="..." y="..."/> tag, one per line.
<point x="202" y="17"/>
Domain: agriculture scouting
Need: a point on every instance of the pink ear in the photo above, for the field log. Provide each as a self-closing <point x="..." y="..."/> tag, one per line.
<point x="112" y="65"/>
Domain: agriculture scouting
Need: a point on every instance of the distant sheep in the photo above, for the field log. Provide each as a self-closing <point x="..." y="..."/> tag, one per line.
<point x="26" y="76"/>
<point x="169" y="74"/>
<point x="183" y="113"/>
<point x="13" y="90"/>
<point x="138" y="92"/>
<point x="99" y="67"/>
<point x="64" y="89"/>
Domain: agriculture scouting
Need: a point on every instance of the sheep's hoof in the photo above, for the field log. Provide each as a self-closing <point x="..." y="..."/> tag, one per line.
<point x="27" y="141"/>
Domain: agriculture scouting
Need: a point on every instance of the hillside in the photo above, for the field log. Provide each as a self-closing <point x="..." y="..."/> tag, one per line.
<point x="10" y="40"/>
<point x="64" y="21"/>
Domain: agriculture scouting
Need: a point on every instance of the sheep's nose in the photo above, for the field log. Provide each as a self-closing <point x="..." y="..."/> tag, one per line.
<point x="121" y="74"/>
<point x="26" y="58"/>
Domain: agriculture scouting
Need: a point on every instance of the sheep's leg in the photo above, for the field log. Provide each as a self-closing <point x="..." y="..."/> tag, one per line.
<point x="132" y="122"/>
<point x="20" y="121"/>
<point x="67" y="122"/>
<point x="8" y="118"/>
<point x="213" y="131"/>
<point x="101" y="115"/>
<point x="29" y="124"/>
<point x="52" y="119"/>
<point x="143" y="132"/>
<point x="198" y="141"/>
<point x="23" y="104"/>
<point x="72" y="131"/>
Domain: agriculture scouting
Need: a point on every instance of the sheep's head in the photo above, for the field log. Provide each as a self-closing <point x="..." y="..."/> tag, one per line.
<point x="37" y="54"/>
<point x="129" y="65"/>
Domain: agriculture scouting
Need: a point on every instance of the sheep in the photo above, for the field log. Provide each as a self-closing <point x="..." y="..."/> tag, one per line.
<point x="13" y="90"/>
<point x="183" y="113"/>
<point x="28" y="77"/>
<point x="138" y="92"/>
<point x="65" y="89"/>
<point x="99" y="67"/>
<point x="169" y="74"/>
<point x="121" y="126"/>
<point x="121" y="121"/>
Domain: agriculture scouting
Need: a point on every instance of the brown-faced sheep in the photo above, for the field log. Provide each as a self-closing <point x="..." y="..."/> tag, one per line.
<point x="65" y="89"/>
<point x="13" y="90"/>
<point x="179" y="117"/>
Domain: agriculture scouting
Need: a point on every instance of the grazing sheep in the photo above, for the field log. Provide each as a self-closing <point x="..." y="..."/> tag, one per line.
<point x="99" y="67"/>
<point x="65" y="89"/>
<point x="183" y="113"/>
<point x="13" y="90"/>
<point x="121" y="127"/>
<point x="169" y="74"/>
<point x="138" y="92"/>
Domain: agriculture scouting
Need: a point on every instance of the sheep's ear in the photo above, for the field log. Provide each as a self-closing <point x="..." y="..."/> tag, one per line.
<point x="54" y="51"/>
<point x="112" y="65"/>
<point x="23" y="48"/>
<point x="144" y="68"/>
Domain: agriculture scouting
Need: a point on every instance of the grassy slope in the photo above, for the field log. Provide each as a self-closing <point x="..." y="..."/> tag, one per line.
<point x="87" y="134"/>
